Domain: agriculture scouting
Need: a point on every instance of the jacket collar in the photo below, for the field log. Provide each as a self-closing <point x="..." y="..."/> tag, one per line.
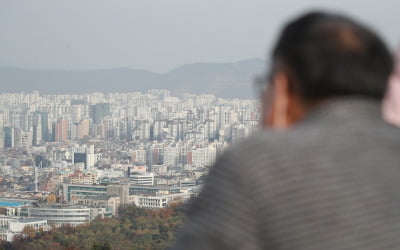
<point x="352" y="110"/>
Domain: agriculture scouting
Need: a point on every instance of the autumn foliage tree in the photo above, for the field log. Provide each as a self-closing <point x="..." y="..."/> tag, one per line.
<point x="29" y="232"/>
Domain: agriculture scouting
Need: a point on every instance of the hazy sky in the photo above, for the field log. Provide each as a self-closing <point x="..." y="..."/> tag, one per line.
<point x="159" y="35"/>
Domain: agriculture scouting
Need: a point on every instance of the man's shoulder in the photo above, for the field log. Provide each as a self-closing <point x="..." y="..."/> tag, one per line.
<point x="343" y="122"/>
<point x="312" y="140"/>
<point x="269" y="141"/>
<point x="262" y="146"/>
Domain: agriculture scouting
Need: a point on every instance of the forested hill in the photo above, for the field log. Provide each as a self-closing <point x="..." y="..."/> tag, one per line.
<point x="135" y="228"/>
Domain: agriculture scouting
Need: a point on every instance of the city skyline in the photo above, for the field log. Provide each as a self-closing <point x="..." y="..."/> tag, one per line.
<point x="90" y="154"/>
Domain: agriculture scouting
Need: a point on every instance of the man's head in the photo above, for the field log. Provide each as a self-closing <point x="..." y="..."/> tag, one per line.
<point x="320" y="56"/>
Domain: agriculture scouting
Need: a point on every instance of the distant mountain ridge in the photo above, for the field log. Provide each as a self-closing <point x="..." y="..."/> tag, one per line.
<point x="230" y="80"/>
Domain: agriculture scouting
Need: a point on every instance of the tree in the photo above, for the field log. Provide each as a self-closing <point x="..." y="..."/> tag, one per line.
<point x="134" y="228"/>
<point x="29" y="231"/>
<point x="3" y="211"/>
<point x="101" y="246"/>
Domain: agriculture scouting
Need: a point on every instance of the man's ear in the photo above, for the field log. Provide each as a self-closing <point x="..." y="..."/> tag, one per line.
<point x="277" y="116"/>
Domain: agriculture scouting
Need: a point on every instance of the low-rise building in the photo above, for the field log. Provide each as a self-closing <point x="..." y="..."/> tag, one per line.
<point x="12" y="207"/>
<point x="58" y="215"/>
<point x="146" y="179"/>
<point x="160" y="201"/>
<point x="13" y="226"/>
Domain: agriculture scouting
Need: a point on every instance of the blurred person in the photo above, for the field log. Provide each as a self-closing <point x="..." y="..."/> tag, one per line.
<point x="391" y="103"/>
<point x="328" y="175"/>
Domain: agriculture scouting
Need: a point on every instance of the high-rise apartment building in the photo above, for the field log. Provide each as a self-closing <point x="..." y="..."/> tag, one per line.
<point x="1" y="121"/>
<point x="8" y="137"/>
<point x="83" y="128"/>
<point x="99" y="111"/>
<point x="37" y="129"/>
<point x="45" y="126"/>
<point x="61" y="130"/>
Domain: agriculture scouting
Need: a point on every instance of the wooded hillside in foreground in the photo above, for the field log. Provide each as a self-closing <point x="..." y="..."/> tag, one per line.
<point x="135" y="228"/>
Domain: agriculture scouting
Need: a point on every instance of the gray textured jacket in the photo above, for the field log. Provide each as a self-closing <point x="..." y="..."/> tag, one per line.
<point x="332" y="182"/>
